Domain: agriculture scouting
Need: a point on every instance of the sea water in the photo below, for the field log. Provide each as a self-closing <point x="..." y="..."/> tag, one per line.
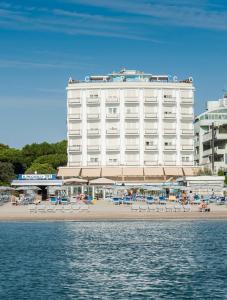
<point x="113" y="260"/>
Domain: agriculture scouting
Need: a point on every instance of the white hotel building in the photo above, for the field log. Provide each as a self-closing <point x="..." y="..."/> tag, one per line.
<point x="130" y="118"/>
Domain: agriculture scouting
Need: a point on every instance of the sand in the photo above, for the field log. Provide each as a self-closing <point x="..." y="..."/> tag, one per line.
<point x="104" y="211"/>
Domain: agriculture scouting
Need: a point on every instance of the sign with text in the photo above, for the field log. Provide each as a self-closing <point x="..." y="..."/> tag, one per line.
<point x="36" y="176"/>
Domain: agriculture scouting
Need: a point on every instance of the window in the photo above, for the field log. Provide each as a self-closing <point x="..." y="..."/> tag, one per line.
<point x="93" y="94"/>
<point x="112" y="110"/>
<point x="94" y="159"/>
<point x="112" y="160"/>
<point x="149" y="143"/>
<point x="185" y="158"/>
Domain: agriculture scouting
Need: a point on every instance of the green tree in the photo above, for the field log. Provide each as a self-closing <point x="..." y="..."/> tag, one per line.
<point x="40" y="169"/>
<point x="222" y="173"/>
<point x="6" y="173"/>
<point x="13" y="156"/>
<point x="55" y="160"/>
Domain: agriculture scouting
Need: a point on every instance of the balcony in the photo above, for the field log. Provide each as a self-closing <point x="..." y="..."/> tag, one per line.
<point x="74" y="148"/>
<point x="112" y="116"/>
<point x="112" y="99"/>
<point x="187" y="163"/>
<point x="151" y="100"/>
<point x="93" y="163"/>
<point x="131" y="115"/>
<point x="187" y="148"/>
<point x="75" y="163"/>
<point x="217" y="151"/>
<point x="113" y="131"/>
<point x="131" y="131"/>
<point x="169" y="163"/>
<point x="171" y="100"/>
<point x="93" y="101"/>
<point x="187" y="100"/>
<point x="113" y="163"/>
<point x="187" y="117"/>
<point x="93" y="148"/>
<point x="169" y="116"/>
<point x="151" y="148"/>
<point x="74" y="100"/>
<point x="187" y="132"/>
<point x="150" y="116"/>
<point x="169" y="131"/>
<point x="131" y="100"/>
<point x="151" y="131"/>
<point x="112" y="148"/>
<point x="207" y="137"/>
<point x="170" y="147"/>
<point x="132" y="163"/>
<point x="74" y="116"/>
<point x="93" y="131"/>
<point x="132" y="147"/>
<point x="150" y="162"/>
<point x="93" y="116"/>
<point x="75" y="132"/>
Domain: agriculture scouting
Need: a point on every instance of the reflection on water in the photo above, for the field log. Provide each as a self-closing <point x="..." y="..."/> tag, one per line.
<point x="113" y="260"/>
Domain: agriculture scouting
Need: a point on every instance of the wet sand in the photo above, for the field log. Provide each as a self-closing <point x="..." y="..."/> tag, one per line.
<point x="106" y="211"/>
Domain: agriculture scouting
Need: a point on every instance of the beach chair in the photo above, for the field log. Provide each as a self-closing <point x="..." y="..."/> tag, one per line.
<point x="41" y="208"/>
<point x="116" y="200"/>
<point x="151" y="207"/>
<point x="50" y="208"/>
<point x="67" y="208"/>
<point x="75" y="208"/>
<point x="187" y="208"/>
<point x="168" y="208"/>
<point x="162" y="200"/>
<point x="59" y="208"/>
<point x="159" y="208"/>
<point x="143" y="208"/>
<point x="135" y="207"/>
<point x="53" y="200"/>
<point x="178" y="208"/>
<point x="150" y="200"/>
<point x="84" y="208"/>
<point x="32" y="208"/>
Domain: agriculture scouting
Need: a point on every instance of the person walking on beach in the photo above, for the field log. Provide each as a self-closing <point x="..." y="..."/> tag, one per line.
<point x="184" y="197"/>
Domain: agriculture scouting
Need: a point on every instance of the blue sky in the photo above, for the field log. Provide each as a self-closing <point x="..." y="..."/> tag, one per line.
<point x="43" y="43"/>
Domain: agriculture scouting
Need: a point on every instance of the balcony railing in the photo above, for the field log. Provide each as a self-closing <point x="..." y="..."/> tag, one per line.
<point x="74" y="116"/>
<point x="169" y="162"/>
<point x="170" y="147"/>
<point x="112" y="116"/>
<point x="151" y="99"/>
<point x="151" y="147"/>
<point x="93" y="163"/>
<point x="113" y="163"/>
<point x="187" y="131"/>
<point x="132" y="115"/>
<point x="112" y="99"/>
<point x="169" y="131"/>
<point x="132" y="147"/>
<point x="93" y="148"/>
<point x="93" y="101"/>
<point x="151" y="131"/>
<point x="187" y="116"/>
<point x="187" y="163"/>
<point x="131" y="100"/>
<point x="150" y="116"/>
<point x="74" y="101"/>
<point x="112" y="148"/>
<point x="132" y="163"/>
<point x="74" y="132"/>
<point x="112" y="131"/>
<point x="186" y="100"/>
<point x="93" y="131"/>
<point x="187" y="147"/>
<point x="131" y="131"/>
<point x="171" y="100"/>
<point x="92" y="116"/>
<point x="75" y="148"/>
<point x="150" y="162"/>
<point x="169" y="116"/>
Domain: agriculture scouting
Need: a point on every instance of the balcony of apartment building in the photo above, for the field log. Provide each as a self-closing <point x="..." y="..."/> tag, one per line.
<point x="169" y="147"/>
<point x="74" y="132"/>
<point x="187" y="148"/>
<point x="74" y="101"/>
<point x="93" y="116"/>
<point x="151" y="147"/>
<point x="93" y="148"/>
<point x="218" y="151"/>
<point x="151" y="115"/>
<point x="168" y="162"/>
<point x="93" y="163"/>
<point x="186" y="101"/>
<point x="131" y="115"/>
<point x="131" y="100"/>
<point x="93" y="132"/>
<point x="75" y="163"/>
<point x="132" y="163"/>
<point x="113" y="147"/>
<point x="148" y="162"/>
<point x="169" y="115"/>
<point x="187" y="132"/>
<point x="150" y="100"/>
<point x="74" y="116"/>
<point x="169" y="131"/>
<point x="112" y="162"/>
<point x="187" y="116"/>
<point x="132" y="147"/>
<point x="169" y="100"/>
<point x="149" y="131"/>
<point x="93" y="101"/>
<point x="131" y="131"/>
<point x="112" y="116"/>
<point x="112" y="100"/>
<point x="74" y="148"/>
<point x="187" y="163"/>
<point x="112" y="131"/>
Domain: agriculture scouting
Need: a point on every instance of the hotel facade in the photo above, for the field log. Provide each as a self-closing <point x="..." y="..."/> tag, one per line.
<point x="130" y="118"/>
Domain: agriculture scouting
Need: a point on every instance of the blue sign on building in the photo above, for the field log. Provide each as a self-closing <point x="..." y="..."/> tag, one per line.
<point x="36" y="176"/>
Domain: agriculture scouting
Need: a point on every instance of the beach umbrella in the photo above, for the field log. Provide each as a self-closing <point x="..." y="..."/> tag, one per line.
<point x="74" y="181"/>
<point x="28" y="188"/>
<point x="101" y="181"/>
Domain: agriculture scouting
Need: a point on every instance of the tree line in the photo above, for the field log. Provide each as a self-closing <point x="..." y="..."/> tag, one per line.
<point x="43" y="158"/>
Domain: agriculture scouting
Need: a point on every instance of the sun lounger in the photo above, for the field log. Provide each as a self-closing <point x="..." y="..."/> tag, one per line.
<point x="75" y="208"/>
<point x="143" y="208"/>
<point x="32" y="208"/>
<point x="135" y="207"/>
<point x="168" y="208"/>
<point x="41" y="208"/>
<point x="59" y="208"/>
<point x="177" y="208"/>
<point x="159" y="208"/>
<point x="50" y="208"/>
<point x="67" y="208"/>
<point x="84" y="208"/>
<point x="151" y="207"/>
<point x="187" y="208"/>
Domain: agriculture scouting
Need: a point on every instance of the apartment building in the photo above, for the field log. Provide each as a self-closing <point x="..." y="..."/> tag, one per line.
<point x="211" y="136"/>
<point x="130" y="118"/>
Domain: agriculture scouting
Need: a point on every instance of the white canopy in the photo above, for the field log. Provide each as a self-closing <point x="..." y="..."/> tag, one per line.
<point x="101" y="181"/>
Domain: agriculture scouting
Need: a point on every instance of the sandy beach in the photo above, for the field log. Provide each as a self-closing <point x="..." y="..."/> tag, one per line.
<point x="104" y="210"/>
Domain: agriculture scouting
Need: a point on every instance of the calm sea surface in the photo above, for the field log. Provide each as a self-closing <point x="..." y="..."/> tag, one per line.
<point x="113" y="260"/>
